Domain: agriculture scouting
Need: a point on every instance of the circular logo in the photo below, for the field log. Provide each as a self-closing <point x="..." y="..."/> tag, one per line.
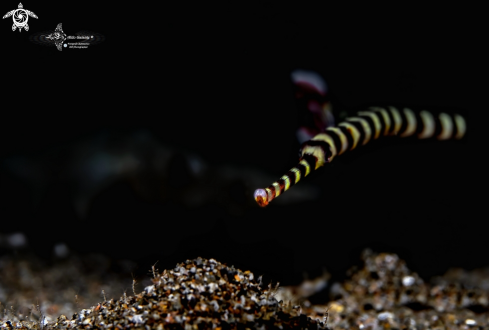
<point x="20" y="17"/>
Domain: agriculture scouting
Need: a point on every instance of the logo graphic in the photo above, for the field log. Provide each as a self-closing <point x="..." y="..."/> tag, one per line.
<point x="58" y="36"/>
<point x="20" y="17"/>
<point x="81" y="40"/>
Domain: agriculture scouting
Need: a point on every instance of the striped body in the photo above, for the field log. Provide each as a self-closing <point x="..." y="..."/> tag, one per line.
<point x="359" y="130"/>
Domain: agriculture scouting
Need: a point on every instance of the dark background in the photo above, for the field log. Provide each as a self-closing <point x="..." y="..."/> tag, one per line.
<point x="215" y="80"/>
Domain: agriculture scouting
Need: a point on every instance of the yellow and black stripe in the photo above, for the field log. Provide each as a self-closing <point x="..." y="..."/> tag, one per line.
<point x="355" y="131"/>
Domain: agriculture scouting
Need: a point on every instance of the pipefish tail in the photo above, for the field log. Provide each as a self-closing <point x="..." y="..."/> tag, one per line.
<point x="356" y="131"/>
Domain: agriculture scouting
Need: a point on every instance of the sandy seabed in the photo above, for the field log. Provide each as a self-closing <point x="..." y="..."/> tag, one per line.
<point x="80" y="293"/>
